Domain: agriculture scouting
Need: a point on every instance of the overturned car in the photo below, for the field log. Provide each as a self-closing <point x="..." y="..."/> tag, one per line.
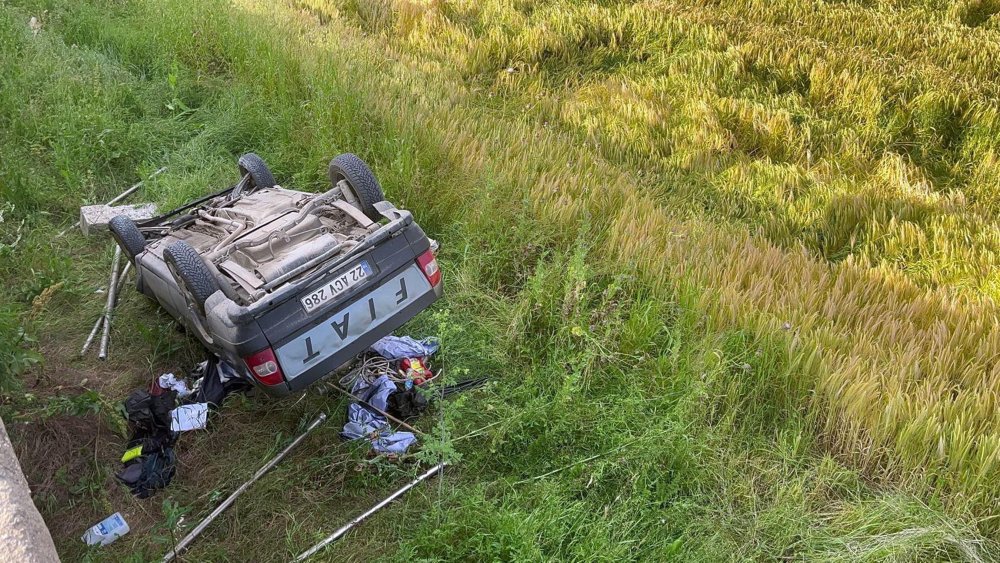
<point x="288" y="285"/>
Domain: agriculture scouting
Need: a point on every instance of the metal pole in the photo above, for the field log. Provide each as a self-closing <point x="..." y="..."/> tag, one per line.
<point x="347" y="527"/>
<point x="121" y="281"/>
<point x="93" y="333"/>
<point x="100" y="319"/>
<point x="110" y="304"/>
<point x="120" y="197"/>
<point x="182" y="545"/>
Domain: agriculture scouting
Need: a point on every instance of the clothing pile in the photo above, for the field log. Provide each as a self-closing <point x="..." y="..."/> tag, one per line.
<point x="391" y="378"/>
<point x="157" y="415"/>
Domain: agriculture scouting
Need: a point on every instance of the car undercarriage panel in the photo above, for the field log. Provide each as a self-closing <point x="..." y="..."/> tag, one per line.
<point x="269" y="237"/>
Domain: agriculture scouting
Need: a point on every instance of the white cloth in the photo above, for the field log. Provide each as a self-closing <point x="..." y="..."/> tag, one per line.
<point x="170" y="381"/>
<point x="189" y="417"/>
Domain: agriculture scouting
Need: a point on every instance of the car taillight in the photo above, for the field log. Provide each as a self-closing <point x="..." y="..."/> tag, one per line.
<point x="264" y="367"/>
<point x="429" y="265"/>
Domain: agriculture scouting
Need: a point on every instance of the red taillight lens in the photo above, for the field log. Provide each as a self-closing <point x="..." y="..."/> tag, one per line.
<point x="429" y="265"/>
<point x="264" y="367"/>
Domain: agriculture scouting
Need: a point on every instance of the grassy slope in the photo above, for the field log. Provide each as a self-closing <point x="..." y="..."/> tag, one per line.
<point x="874" y="155"/>
<point x="714" y="443"/>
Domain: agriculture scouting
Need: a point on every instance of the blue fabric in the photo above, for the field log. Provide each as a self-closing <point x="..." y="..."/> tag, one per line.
<point x="376" y="394"/>
<point x="399" y="347"/>
<point x="394" y="442"/>
<point x="363" y="422"/>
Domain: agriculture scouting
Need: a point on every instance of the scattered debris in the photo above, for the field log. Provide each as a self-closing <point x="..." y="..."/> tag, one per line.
<point x="347" y="527"/>
<point x="34" y="25"/>
<point x="365" y="422"/>
<point x="182" y="545"/>
<point x="158" y="415"/>
<point x="189" y="417"/>
<point x="179" y="386"/>
<point x="216" y="379"/>
<point x="149" y="472"/>
<point x="153" y="466"/>
<point x="106" y="531"/>
<point x="388" y="375"/>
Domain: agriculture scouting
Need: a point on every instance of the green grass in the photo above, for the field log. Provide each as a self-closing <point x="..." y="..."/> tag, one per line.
<point x="714" y="435"/>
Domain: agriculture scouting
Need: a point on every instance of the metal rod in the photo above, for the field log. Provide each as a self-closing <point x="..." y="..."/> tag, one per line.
<point x="347" y="527"/>
<point x="121" y="281"/>
<point x="100" y="319"/>
<point x="93" y="333"/>
<point x="182" y="545"/>
<point x="378" y="410"/>
<point x="118" y="198"/>
<point x="110" y="304"/>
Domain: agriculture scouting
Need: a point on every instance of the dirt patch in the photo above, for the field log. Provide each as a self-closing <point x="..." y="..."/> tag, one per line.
<point x="65" y="459"/>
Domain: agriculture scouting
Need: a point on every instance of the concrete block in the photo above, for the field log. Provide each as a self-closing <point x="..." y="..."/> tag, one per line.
<point x="94" y="218"/>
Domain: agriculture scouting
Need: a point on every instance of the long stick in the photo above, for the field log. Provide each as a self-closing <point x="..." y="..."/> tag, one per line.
<point x="110" y="304"/>
<point x="120" y="197"/>
<point x="182" y="545"/>
<point x="347" y="527"/>
<point x="376" y="409"/>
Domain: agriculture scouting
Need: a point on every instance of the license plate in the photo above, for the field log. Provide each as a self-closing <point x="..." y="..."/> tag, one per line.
<point x="336" y="286"/>
<point x="348" y="324"/>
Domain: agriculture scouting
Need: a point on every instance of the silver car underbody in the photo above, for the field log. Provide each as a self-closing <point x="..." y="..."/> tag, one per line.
<point x="259" y="241"/>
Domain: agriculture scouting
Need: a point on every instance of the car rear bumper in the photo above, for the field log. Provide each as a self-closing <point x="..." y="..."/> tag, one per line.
<point x="351" y="351"/>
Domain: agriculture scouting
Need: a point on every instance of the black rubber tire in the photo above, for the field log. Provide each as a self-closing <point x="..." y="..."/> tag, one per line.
<point x="127" y="235"/>
<point x="260" y="174"/>
<point x="191" y="271"/>
<point x="361" y="180"/>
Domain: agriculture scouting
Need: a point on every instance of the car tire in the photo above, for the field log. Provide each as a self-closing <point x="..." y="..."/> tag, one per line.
<point x="260" y="174"/>
<point x="127" y="235"/>
<point x="362" y="182"/>
<point x="191" y="273"/>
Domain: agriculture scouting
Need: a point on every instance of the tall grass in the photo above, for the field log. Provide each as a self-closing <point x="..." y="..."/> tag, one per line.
<point x="872" y="156"/>
<point x="745" y="397"/>
<point x="855" y="130"/>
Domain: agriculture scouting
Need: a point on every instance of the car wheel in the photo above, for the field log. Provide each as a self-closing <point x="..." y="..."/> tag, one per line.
<point x="193" y="277"/>
<point x="260" y="174"/>
<point x="127" y="235"/>
<point x="361" y="181"/>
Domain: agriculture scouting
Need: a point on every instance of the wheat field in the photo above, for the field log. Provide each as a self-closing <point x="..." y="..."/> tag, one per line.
<point x="823" y="170"/>
<point x="759" y="239"/>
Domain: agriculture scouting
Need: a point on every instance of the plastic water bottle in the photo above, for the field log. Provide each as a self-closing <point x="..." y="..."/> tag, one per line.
<point x="107" y="530"/>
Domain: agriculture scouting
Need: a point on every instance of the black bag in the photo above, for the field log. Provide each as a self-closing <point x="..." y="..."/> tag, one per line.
<point x="138" y="410"/>
<point x="161" y="406"/>
<point x="406" y="404"/>
<point x="147" y="413"/>
<point x="150" y="472"/>
<point x="154" y="442"/>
